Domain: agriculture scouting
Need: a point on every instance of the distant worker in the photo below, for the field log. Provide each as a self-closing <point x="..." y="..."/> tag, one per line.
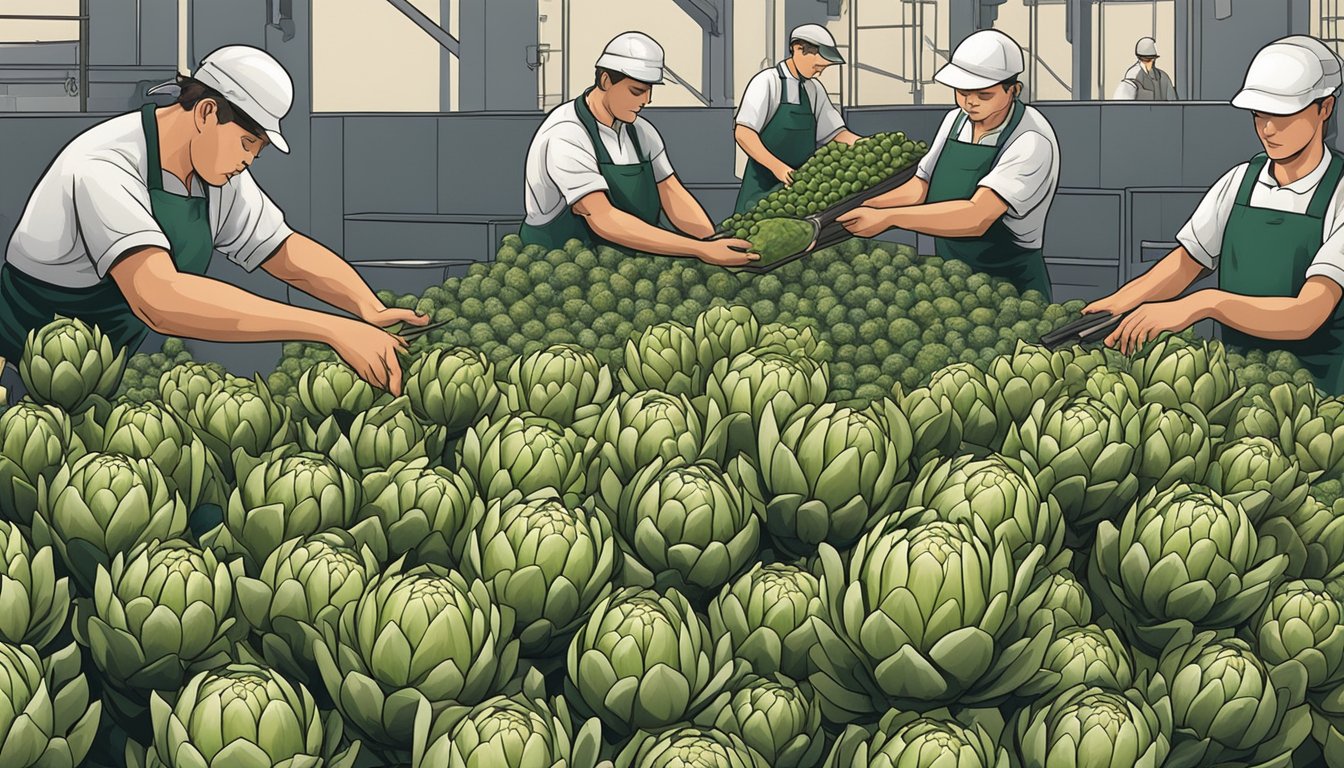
<point x="786" y="114"/>
<point x="1272" y="229"/>
<point x="985" y="187"/>
<point x="598" y="172"/>
<point x="1144" y="81"/>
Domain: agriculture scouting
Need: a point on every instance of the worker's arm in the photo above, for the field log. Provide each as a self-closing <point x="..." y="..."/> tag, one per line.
<point x="314" y="269"/>
<point x="846" y="136"/>
<point x="1167" y="279"/>
<point x="190" y="306"/>
<point x="612" y="224"/>
<point x="683" y="210"/>
<point x="953" y="218"/>
<point x="1276" y="318"/>
<point x="912" y="192"/>
<point x="750" y="142"/>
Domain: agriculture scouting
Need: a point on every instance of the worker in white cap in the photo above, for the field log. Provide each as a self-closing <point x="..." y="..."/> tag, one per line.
<point x="121" y="228"/>
<point x="1144" y="81"/>
<point x="985" y="187"/>
<point x="599" y="173"/>
<point x="1272" y="229"/>
<point x="785" y="114"/>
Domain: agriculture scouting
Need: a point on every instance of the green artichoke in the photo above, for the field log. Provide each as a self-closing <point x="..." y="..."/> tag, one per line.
<point x="283" y="494"/>
<point x="1000" y="492"/>
<point x="1301" y="631"/>
<point x="548" y="562"/>
<point x="1254" y="473"/>
<point x="636" y="429"/>
<point x="1063" y="602"/>
<point x="521" y="730"/>
<point x="229" y="420"/>
<point x="907" y="739"/>
<point x="418" y="510"/>
<point x="1098" y="726"/>
<point x="1312" y="536"/>
<point x="423" y="632"/>
<point x="800" y="341"/>
<point x="828" y="472"/>
<point x="1117" y="390"/>
<point x="1182" y="560"/>
<point x="1174" y="372"/>
<point x="333" y="387"/>
<point x="522" y="453"/>
<point x="1308" y="427"/>
<point x="46" y="717"/>
<point x="152" y="432"/>
<point x="302" y="588"/>
<point x="182" y="386"/>
<point x="242" y="714"/>
<point x="776" y="718"/>
<point x="1021" y="379"/>
<point x="722" y="333"/>
<point x="1174" y="447"/>
<point x="739" y="392"/>
<point x="663" y="358"/>
<point x="67" y="362"/>
<point x="645" y="660"/>
<point x="453" y="388"/>
<point x="35" y="441"/>
<point x="767" y="615"/>
<point x="163" y="611"/>
<point x="934" y="425"/>
<point x="381" y="437"/>
<point x="563" y="383"/>
<point x="923" y="617"/>
<point x="687" y="525"/>
<point x="102" y="505"/>
<point x="1087" y="655"/>
<point x="688" y="746"/>
<point x="1227" y="707"/>
<point x="34" y="604"/>
<point x="971" y="395"/>
<point x="1082" y="454"/>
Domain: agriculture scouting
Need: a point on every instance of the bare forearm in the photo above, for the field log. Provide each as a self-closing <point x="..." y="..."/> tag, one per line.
<point x="913" y="192"/>
<point x="953" y="218"/>
<point x="1168" y="279"/>
<point x="632" y="232"/>
<point x="1277" y="318"/>
<point x="685" y="212"/>
<point x="750" y="142"/>
<point x="197" y="307"/>
<point x="845" y="136"/>
<point x="314" y="269"/>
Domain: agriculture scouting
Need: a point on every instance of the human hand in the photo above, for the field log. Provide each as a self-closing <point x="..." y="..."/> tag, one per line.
<point x="728" y="252"/>
<point x="784" y="173"/>
<point x="386" y="317"/>
<point x="865" y="222"/>
<point x="370" y="351"/>
<point x="1149" y="321"/>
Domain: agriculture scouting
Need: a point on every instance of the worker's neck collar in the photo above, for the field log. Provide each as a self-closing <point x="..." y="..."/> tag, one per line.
<point x="598" y="107"/>
<point x="789" y="69"/>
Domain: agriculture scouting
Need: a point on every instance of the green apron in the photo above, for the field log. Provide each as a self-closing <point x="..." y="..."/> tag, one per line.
<point x="27" y="303"/>
<point x="791" y="136"/>
<point x="1267" y="253"/>
<point x="632" y="188"/>
<point x="956" y="175"/>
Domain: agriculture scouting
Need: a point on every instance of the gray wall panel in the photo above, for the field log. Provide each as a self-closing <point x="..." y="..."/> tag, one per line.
<point x="113" y="34"/>
<point x="699" y="141"/>
<point x="327" y="200"/>
<point x="1084" y="225"/>
<point x="1216" y="137"/>
<point x="1078" y="131"/>
<point x="481" y="160"/>
<point x="391" y="163"/>
<point x="1139" y="143"/>
<point x="158" y="32"/>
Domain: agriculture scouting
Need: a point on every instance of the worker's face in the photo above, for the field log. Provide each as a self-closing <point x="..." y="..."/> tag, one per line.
<point x="626" y="98"/>
<point x="1283" y="136"/>
<point x="220" y="151"/>
<point x="809" y="65"/>
<point x="983" y="104"/>
<point x="1147" y="62"/>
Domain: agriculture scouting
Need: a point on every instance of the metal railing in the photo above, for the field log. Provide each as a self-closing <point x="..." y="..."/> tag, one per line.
<point x="83" y="43"/>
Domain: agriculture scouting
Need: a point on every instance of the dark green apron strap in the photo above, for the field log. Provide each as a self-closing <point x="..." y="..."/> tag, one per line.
<point x="589" y="121"/>
<point x="1248" y="181"/>
<point x="154" y="177"/>
<point x="1325" y="191"/>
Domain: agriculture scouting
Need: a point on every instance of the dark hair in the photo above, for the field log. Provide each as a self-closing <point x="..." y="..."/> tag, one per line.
<point x="193" y="91"/>
<point x="1009" y="83"/>
<point x="808" y="48"/>
<point x="615" y="76"/>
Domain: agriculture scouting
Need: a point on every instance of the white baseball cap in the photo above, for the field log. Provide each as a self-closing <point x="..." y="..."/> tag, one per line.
<point x="251" y="80"/>
<point x="985" y="58"/>
<point x="1285" y="77"/>
<point x="636" y="55"/>
<point x="1146" y="48"/>
<point x="820" y="37"/>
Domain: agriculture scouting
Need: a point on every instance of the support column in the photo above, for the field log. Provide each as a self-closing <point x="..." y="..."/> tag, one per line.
<point x="1079" y="27"/>
<point x="493" y="72"/>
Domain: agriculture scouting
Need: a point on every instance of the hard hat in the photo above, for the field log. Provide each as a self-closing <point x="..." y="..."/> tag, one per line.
<point x="251" y="80"/>
<point x="1146" y="48"/>
<point x="983" y="59"/>
<point x="1284" y="77"/>
<point x="636" y="55"/>
<point x="820" y="37"/>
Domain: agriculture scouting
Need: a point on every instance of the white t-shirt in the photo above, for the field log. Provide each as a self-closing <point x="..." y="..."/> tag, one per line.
<point x="92" y="207"/>
<point x="562" y="163"/>
<point x="1025" y="175"/>
<point x="763" y="96"/>
<point x="1202" y="235"/>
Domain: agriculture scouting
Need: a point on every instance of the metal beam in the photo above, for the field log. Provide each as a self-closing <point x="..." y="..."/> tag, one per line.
<point x="674" y="77"/>
<point x="705" y="12"/>
<point x="1079" y="27"/>
<point x="427" y="24"/>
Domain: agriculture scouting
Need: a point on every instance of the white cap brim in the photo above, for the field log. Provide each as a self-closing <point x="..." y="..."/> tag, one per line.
<point x="1254" y="100"/>
<point x="954" y="76"/>
<point x="171" y="88"/>
<point x="629" y="67"/>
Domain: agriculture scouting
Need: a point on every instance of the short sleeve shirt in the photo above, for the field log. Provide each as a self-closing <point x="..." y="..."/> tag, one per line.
<point x="1025" y="176"/>
<point x="1202" y="235"/>
<point x="92" y="207"/>
<point x="562" y="167"/>
<point x="766" y="92"/>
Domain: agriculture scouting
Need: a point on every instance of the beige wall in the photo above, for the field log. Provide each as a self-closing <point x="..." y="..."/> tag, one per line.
<point x="12" y="31"/>
<point x="368" y="57"/>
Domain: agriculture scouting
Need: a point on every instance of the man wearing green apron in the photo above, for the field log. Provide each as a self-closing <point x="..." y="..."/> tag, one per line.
<point x="1273" y="230"/>
<point x="785" y="114"/>
<point x="984" y="189"/>
<point x="120" y="230"/>
<point x="598" y="173"/>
